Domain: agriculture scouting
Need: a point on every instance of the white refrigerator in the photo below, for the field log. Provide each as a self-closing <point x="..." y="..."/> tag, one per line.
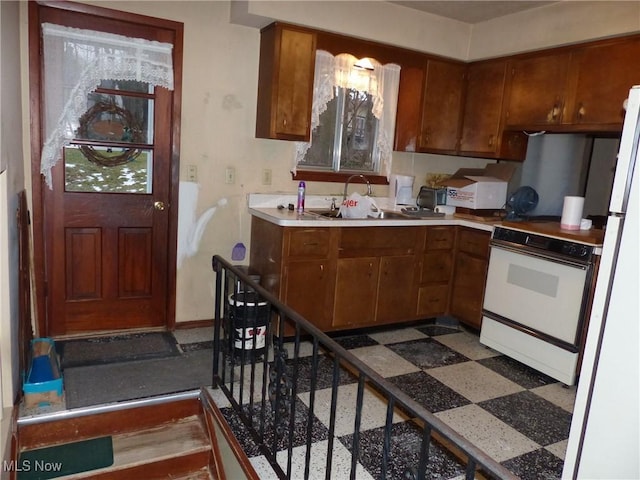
<point x="604" y="442"/>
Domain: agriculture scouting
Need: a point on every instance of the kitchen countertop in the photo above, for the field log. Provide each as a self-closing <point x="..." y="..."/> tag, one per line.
<point x="264" y="206"/>
<point x="288" y="218"/>
<point x="593" y="236"/>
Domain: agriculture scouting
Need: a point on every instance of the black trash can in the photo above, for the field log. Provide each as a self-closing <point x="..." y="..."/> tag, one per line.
<point x="248" y="320"/>
<point x="234" y="284"/>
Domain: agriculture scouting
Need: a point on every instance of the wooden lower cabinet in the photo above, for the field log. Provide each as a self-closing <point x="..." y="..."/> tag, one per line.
<point x="435" y="271"/>
<point x="355" y="294"/>
<point x="307" y="290"/>
<point x="432" y="300"/>
<point x="470" y="274"/>
<point x="346" y="278"/>
<point x="396" y="289"/>
<point x="374" y="290"/>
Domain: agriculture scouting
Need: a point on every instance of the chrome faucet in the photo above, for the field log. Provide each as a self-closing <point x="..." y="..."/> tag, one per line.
<point x="346" y="185"/>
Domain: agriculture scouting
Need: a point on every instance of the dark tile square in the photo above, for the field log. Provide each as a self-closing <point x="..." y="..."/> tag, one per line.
<point x="404" y="454"/>
<point x="270" y="429"/>
<point x="241" y="432"/>
<point x="428" y="391"/>
<point x="435" y="330"/>
<point x="427" y="353"/>
<point x="517" y="372"/>
<point x="354" y="341"/>
<point x="537" y="418"/>
<point x="323" y="374"/>
<point x="537" y="465"/>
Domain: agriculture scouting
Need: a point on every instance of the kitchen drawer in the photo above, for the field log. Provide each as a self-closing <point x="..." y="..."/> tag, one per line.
<point x="439" y="238"/>
<point x="474" y="242"/>
<point x="377" y="241"/>
<point x="309" y="242"/>
<point x="436" y="267"/>
<point x="432" y="300"/>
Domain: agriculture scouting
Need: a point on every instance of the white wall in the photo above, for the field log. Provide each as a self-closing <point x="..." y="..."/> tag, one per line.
<point x="219" y="104"/>
<point x="11" y="183"/>
<point x="382" y="21"/>
<point x="559" y="23"/>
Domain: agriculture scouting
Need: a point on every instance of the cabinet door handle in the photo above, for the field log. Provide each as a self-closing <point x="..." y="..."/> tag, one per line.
<point x="552" y="116"/>
<point x="581" y="111"/>
<point x="491" y="140"/>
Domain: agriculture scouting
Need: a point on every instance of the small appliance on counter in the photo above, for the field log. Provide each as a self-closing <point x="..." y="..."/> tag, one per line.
<point x="427" y="202"/>
<point x="401" y="189"/>
<point x="431" y="197"/>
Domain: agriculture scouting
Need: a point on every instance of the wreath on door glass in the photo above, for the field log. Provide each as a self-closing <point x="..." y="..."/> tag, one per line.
<point x="107" y="121"/>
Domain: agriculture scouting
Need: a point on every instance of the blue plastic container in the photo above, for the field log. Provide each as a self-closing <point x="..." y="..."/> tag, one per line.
<point x="43" y="384"/>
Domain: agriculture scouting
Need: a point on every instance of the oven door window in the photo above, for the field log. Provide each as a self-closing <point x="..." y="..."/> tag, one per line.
<point x="538" y="293"/>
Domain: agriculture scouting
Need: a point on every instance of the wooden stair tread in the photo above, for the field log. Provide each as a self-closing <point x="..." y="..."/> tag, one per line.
<point x="202" y="474"/>
<point x="171" y="440"/>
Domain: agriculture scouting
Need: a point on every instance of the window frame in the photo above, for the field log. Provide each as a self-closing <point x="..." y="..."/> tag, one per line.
<point x="339" y="131"/>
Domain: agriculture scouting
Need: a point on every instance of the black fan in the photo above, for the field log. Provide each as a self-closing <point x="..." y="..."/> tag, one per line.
<point x="523" y="200"/>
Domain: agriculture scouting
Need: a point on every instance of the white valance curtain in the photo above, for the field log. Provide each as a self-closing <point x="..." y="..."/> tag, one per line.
<point x="75" y="62"/>
<point x="381" y="83"/>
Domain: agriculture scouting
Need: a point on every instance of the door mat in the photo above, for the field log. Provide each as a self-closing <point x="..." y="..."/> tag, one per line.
<point x="117" y="382"/>
<point x="116" y="349"/>
<point x="66" y="459"/>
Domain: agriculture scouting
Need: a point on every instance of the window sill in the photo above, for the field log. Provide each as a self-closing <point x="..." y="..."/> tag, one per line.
<point x="338" y="177"/>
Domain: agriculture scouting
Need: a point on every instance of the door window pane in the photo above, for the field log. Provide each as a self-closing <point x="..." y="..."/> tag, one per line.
<point x="83" y="175"/>
<point x="117" y="118"/>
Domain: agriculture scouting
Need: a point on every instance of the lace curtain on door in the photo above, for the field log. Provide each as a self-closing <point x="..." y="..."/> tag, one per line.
<point x="75" y="62"/>
<point x="382" y="83"/>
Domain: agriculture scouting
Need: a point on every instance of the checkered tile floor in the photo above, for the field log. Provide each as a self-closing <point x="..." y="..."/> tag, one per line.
<point x="519" y="417"/>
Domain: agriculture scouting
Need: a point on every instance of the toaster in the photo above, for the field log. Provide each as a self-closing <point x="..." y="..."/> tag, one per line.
<point x="431" y="197"/>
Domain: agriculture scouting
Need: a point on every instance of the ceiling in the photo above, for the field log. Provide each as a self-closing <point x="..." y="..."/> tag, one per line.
<point x="472" y="11"/>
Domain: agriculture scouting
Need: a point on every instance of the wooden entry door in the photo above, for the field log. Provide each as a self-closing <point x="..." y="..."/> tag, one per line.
<point x="108" y="233"/>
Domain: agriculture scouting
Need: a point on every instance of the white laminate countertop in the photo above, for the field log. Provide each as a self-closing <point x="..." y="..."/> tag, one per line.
<point x="265" y="206"/>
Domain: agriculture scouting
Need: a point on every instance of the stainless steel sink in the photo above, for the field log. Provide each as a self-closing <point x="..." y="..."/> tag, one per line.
<point x="383" y="215"/>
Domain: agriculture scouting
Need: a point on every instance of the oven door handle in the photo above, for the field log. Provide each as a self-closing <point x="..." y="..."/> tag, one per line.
<point x="548" y="256"/>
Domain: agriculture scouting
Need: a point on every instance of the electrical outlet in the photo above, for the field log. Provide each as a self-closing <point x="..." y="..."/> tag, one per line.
<point x="230" y="175"/>
<point x="192" y="173"/>
<point x="266" y="176"/>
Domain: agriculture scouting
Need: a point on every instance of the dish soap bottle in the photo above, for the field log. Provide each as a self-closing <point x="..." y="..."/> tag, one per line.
<point x="301" y="192"/>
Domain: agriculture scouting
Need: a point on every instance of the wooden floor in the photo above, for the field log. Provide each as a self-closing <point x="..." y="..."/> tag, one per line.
<point x="178" y="438"/>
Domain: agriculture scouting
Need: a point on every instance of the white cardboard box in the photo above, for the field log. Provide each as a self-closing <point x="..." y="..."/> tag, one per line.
<point x="479" y="188"/>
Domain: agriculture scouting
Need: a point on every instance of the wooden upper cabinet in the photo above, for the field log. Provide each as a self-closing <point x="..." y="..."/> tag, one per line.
<point x="441" y="107"/>
<point x="285" y="82"/>
<point x="601" y="76"/>
<point x="483" y="107"/>
<point x="409" y="111"/>
<point x="574" y="89"/>
<point x="537" y="91"/>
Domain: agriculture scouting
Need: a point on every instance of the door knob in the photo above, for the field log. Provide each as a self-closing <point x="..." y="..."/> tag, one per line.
<point x="159" y="205"/>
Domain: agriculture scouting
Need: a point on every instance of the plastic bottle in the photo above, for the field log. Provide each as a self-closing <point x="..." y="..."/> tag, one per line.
<point x="301" y="191"/>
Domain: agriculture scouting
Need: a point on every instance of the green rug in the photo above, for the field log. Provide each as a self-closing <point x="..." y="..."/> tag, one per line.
<point x="66" y="459"/>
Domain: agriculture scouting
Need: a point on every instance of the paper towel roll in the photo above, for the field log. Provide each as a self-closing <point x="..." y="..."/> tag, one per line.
<point x="572" y="213"/>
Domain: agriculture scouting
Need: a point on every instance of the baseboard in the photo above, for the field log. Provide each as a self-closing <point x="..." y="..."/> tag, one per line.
<point x="194" y="324"/>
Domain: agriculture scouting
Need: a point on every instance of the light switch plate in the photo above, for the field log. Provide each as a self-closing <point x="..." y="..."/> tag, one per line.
<point x="266" y="176"/>
<point x="192" y="173"/>
<point x="230" y="175"/>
